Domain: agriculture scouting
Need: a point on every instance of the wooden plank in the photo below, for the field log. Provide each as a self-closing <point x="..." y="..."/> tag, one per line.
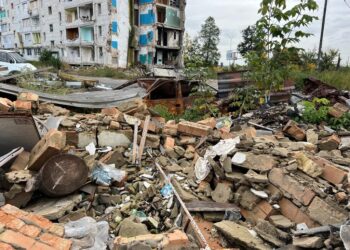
<point x="144" y="137"/>
<point x="210" y="206"/>
<point x="134" y="147"/>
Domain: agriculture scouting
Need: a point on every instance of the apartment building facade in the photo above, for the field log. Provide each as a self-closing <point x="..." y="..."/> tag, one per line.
<point x="116" y="33"/>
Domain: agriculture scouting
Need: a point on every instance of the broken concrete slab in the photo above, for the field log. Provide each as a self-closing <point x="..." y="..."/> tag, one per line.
<point x="261" y="163"/>
<point x="113" y="139"/>
<point x="194" y="129"/>
<point x="222" y="193"/>
<point x="326" y="213"/>
<point x="240" y="235"/>
<point x="308" y="242"/>
<point x="308" y="166"/>
<point x="53" y="209"/>
<point x="281" y="222"/>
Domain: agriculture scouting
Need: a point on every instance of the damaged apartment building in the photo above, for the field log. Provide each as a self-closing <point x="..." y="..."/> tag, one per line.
<point x="116" y="33"/>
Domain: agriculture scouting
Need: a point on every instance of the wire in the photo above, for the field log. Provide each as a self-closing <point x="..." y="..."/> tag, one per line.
<point x="346" y="3"/>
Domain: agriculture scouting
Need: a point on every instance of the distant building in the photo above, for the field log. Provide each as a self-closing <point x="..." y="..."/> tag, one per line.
<point x="116" y="33"/>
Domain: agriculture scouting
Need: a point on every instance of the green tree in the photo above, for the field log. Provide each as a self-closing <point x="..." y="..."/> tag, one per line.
<point x="209" y="38"/>
<point x="250" y="41"/>
<point x="192" y="52"/>
<point x="279" y="30"/>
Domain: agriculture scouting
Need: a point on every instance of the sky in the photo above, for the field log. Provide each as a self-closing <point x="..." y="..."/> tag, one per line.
<point x="233" y="16"/>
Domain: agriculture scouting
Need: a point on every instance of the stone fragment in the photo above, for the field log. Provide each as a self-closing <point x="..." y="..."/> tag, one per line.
<point x="21" y="161"/>
<point x="51" y="144"/>
<point x="222" y="193"/>
<point x="261" y="163"/>
<point x="240" y="235"/>
<point x="27" y="96"/>
<point x="67" y="123"/>
<point x="269" y="233"/>
<point x="329" y="143"/>
<point x="282" y="152"/>
<point x="247" y="199"/>
<point x="170" y="128"/>
<point x="338" y="110"/>
<point x="114" y="125"/>
<point x="281" y="222"/>
<point x="194" y="129"/>
<point x="308" y="242"/>
<point x="54" y="209"/>
<point x="289" y="185"/>
<point x="326" y="213"/>
<point x="128" y="228"/>
<point x="18" y="176"/>
<point x="113" y="139"/>
<point x="185" y="195"/>
<point x="85" y="138"/>
<point x="312" y="136"/>
<point x="294" y="131"/>
<point x="219" y="171"/>
<point x="254" y="177"/>
<point x="308" y="166"/>
<point x="344" y="143"/>
<point x="341" y="197"/>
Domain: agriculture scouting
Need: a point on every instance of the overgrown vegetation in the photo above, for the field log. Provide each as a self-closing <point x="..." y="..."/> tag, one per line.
<point x="46" y="58"/>
<point x="278" y="32"/>
<point x="243" y="100"/>
<point x="317" y="112"/>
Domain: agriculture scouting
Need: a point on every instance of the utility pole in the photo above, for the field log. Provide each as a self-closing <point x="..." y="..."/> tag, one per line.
<point x="322" y="33"/>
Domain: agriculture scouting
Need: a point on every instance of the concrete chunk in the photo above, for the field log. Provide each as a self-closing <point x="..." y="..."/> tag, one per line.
<point x="240" y="235"/>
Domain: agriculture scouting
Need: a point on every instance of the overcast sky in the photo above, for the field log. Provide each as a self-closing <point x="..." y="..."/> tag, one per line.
<point x="232" y="16"/>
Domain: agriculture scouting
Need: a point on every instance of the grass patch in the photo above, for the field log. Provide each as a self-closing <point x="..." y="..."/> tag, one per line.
<point x="105" y="72"/>
<point x="339" y="79"/>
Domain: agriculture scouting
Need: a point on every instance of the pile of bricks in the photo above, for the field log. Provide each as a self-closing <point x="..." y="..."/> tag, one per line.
<point x="22" y="230"/>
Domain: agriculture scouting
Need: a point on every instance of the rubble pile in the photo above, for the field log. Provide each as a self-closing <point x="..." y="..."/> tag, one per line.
<point x="122" y="178"/>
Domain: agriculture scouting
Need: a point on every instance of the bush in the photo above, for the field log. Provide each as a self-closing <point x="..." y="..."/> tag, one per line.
<point x="48" y="59"/>
<point x="316" y="111"/>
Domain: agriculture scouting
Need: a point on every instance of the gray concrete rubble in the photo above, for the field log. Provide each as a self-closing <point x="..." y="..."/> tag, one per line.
<point x="184" y="185"/>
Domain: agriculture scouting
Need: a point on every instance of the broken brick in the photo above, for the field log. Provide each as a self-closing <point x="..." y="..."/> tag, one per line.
<point x="294" y="131"/>
<point x="51" y="144"/>
<point x="290" y="185"/>
<point x="330" y="172"/>
<point x="329" y="143"/>
<point x="5" y="104"/>
<point x="292" y="212"/>
<point x="169" y="143"/>
<point x="27" y="96"/>
<point x="22" y="105"/>
<point x="338" y="110"/>
<point x="194" y="129"/>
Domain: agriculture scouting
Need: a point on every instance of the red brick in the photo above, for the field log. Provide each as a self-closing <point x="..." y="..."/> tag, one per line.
<point x="177" y="239"/>
<point x="152" y="126"/>
<point x="294" y="131"/>
<point x="291" y="186"/>
<point x="51" y="144"/>
<point x="261" y="212"/>
<point x="11" y="221"/>
<point x="56" y="242"/>
<point x="17" y="239"/>
<point x="169" y="143"/>
<point x="4" y="246"/>
<point x="292" y="212"/>
<point x="41" y="246"/>
<point x="12" y="210"/>
<point x="38" y="221"/>
<point x="194" y="129"/>
<point x="22" y="105"/>
<point x="330" y="172"/>
<point x="329" y="143"/>
<point x="31" y="231"/>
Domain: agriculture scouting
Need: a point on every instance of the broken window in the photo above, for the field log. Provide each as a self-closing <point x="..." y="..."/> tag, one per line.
<point x="161" y="14"/>
<point x="50" y="10"/>
<point x="51" y="27"/>
<point x="72" y="34"/>
<point x="99" y="7"/>
<point x="100" y="30"/>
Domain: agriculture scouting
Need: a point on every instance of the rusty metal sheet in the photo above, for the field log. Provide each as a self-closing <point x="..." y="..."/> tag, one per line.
<point x="17" y="130"/>
<point x="62" y="175"/>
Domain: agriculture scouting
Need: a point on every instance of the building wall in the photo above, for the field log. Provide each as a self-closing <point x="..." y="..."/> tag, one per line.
<point x="87" y="31"/>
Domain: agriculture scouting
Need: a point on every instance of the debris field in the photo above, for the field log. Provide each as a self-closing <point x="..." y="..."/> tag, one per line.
<point x="124" y="178"/>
